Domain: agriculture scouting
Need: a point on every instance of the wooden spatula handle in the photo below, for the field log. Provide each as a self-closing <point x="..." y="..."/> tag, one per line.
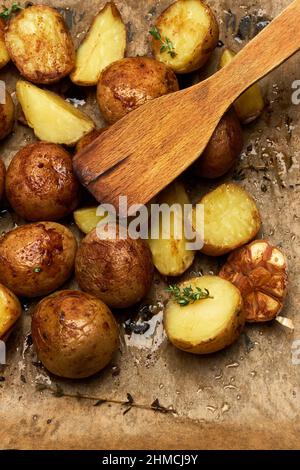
<point x="276" y="43"/>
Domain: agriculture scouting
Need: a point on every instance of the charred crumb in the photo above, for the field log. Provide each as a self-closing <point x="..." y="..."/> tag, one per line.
<point x="245" y="28"/>
<point x="37" y="364"/>
<point x="249" y="148"/>
<point x="133" y="327"/>
<point x="23" y="379"/>
<point x="2" y="379"/>
<point x="264" y="188"/>
<point x="116" y="371"/>
<point x="130" y="400"/>
<point x="28" y="341"/>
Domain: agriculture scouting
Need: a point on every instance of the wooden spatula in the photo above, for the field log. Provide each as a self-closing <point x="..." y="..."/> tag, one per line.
<point x="146" y="150"/>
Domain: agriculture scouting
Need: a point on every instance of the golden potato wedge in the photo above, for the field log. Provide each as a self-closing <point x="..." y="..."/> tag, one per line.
<point x="86" y="219"/>
<point x="185" y="35"/>
<point x="231" y="219"/>
<point x="10" y="311"/>
<point x="250" y="104"/>
<point x="7" y="116"/>
<point x="104" y="44"/>
<point x="207" y="325"/>
<point x="40" y="44"/>
<point x="4" y="55"/>
<point x="51" y="117"/>
<point x="170" y="255"/>
<point x="259" y="271"/>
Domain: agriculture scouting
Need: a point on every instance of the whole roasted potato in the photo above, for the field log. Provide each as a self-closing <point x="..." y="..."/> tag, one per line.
<point x="40" y="183"/>
<point x="36" y="259"/>
<point x="222" y="150"/>
<point x="40" y="44"/>
<point x="184" y="36"/>
<point x="117" y="271"/>
<point x="7" y="116"/>
<point x="2" y="178"/>
<point x="4" y="55"/>
<point x="74" y="333"/>
<point x="10" y="311"/>
<point x="129" y="83"/>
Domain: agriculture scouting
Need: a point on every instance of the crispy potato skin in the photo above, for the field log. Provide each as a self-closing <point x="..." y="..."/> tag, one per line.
<point x="4" y="55"/>
<point x="173" y="26"/>
<point x="259" y="271"/>
<point x="43" y="52"/>
<point x="10" y="312"/>
<point x="129" y="83"/>
<point x="40" y="183"/>
<point x="7" y="116"/>
<point x="36" y="259"/>
<point x="223" y="149"/>
<point x="89" y="138"/>
<point x="74" y="333"/>
<point x="117" y="271"/>
<point x="2" y="178"/>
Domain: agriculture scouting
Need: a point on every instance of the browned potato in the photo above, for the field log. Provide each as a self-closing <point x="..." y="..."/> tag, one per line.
<point x="129" y="83"/>
<point x="36" y="259"/>
<point x="74" y="333"/>
<point x="259" y="270"/>
<point x="4" y="55"/>
<point x="89" y="138"/>
<point x="223" y="149"/>
<point x="40" y="183"/>
<point x="2" y="178"/>
<point x="40" y="44"/>
<point x="10" y="312"/>
<point x="7" y="116"/>
<point x="185" y="35"/>
<point x="117" y="271"/>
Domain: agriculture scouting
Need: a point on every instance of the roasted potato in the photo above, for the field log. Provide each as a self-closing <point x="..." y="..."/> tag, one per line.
<point x="223" y="149"/>
<point x="104" y="44"/>
<point x="129" y="83"/>
<point x="7" y="116"/>
<point x="75" y="334"/>
<point x="259" y="271"/>
<point x="89" y="138"/>
<point x="10" y="312"/>
<point x="117" y="271"/>
<point x="185" y="35"/>
<point x="250" y="104"/>
<point x="4" y="55"/>
<point x="87" y="219"/>
<point x="170" y="254"/>
<point x="40" y="44"/>
<point x="2" y="178"/>
<point x="207" y="325"/>
<point x="40" y="183"/>
<point x="231" y="219"/>
<point x="51" y="117"/>
<point x="36" y="259"/>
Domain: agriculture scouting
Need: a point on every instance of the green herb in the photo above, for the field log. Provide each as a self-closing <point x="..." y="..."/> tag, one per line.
<point x="7" y="12"/>
<point x="37" y="270"/>
<point x="166" y="44"/>
<point x="187" y="295"/>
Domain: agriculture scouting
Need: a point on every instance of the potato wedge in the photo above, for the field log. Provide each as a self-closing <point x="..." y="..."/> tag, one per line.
<point x="10" y="311"/>
<point x="250" y="104"/>
<point x="231" y="219"/>
<point x="40" y="44"/>
<point x="208" y="325"/>
<point x="51" y="117"/>
<point x="4" y="55"/>
<point x="170" y="256"/>
<point x="86" y="219"/>
<point x="104" y="44"/>
<point x="259" y="271"/>
<point x="191" y="30"/>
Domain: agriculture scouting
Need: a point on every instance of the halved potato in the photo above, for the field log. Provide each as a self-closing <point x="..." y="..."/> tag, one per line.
<point x="250" y="104"/>
<point x="51" y="117"/>
<point x="10" y="311"/>
<point x="87" y="219"/>
<point x="188" y="33"/>
<point x="104" y="44"/>
<point x="40" y="44"/>
<point x="4" y="55"/>
<point x="170" y="255"/>
<point x="231" y="219"/>
<point x="207" y="325"/>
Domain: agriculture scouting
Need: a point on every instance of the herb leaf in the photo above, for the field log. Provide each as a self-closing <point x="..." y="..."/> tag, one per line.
<point x="166" y="44"/>
<point x="187" y="295"/>
<point x="7" y="12"/>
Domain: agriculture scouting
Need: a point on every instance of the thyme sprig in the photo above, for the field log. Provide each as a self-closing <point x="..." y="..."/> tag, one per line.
<point x="188" y="295"/>
<point x="166" y="44"/>
<point x="8" y="11"/>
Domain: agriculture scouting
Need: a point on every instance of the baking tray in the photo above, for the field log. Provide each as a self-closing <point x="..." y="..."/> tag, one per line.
<point x="244" y="397"/>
